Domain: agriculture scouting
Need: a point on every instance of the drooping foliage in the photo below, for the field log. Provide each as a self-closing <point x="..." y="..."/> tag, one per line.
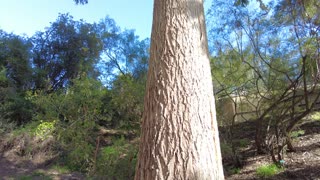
<point x="266" y="56"/>
<point x="123" y="52"/>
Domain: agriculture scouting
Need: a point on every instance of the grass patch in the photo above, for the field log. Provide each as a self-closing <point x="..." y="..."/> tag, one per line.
<point x="35" y="175"/>
<point x="242" y="142"/>
<point x="60" y="169"/>
<point x="234" y="170"/>
<point x="269" y="170"/>
<point x="295" y="134"/>
<point x="315" y="116"/>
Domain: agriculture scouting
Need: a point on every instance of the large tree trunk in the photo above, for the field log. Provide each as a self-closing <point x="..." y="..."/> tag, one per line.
<point x="179" y="138"/>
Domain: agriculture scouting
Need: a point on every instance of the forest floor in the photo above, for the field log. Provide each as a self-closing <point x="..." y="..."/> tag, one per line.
<point x="18" y="161"/>
<point x="303" y="164"/>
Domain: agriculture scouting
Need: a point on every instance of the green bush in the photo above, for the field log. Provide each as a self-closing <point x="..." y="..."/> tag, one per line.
<point x="80" y="157"/>
<point x="124" y="103"/>
<point x="15" y="109"/>
<point x="44" y="129"/>
<point x="77" y="142"/>
<point x="75" y="113"/>
<point x="117" y="161"/>
<point x="269" y="170"/>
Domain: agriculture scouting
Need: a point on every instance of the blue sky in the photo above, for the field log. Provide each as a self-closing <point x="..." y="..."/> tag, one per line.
<point x="29" y="16"/>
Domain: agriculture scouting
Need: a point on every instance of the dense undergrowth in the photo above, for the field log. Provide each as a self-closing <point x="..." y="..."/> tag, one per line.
<point x="65" y="129"/>
<point x="37" y="143"/>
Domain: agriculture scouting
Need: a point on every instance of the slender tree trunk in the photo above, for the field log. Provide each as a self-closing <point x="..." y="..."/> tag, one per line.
<point x="179" y="135"/>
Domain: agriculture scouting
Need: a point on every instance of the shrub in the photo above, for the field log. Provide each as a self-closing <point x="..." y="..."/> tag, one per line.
<point x="124" y="103"/>
<point x="44" y="129"/>
<point x="15" y="109"/>
<point x="235" y="170"/>
<point x="77" y="141"/>
<point x="74" y="112"/>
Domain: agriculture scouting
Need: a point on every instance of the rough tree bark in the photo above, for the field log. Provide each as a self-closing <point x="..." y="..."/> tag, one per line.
<point x="179" y="135"/>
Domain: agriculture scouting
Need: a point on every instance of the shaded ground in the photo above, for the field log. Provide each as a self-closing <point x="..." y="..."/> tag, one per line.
<point x="27" y="170"/>
<point x="304" y="164"/>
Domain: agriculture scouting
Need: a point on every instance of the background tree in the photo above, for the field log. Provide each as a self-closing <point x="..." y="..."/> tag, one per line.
<point x="16" y="73"/>
<point x="65" y="51"/>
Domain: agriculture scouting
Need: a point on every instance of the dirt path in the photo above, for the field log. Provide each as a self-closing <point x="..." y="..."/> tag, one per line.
<point x="19" y="162"/>
<point x="10" y="170"/>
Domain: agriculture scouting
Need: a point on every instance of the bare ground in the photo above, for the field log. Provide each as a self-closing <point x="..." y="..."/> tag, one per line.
<point x="25" y="158"/>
